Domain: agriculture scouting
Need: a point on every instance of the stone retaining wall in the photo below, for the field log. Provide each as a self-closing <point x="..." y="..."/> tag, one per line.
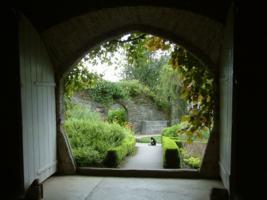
<point x="153" y="127"/>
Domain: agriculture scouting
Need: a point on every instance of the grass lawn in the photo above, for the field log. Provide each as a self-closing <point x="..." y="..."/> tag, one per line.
<point x="146" y="139"/>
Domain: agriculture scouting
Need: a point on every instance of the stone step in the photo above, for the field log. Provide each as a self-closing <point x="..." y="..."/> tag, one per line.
<point x="158" y="173"/>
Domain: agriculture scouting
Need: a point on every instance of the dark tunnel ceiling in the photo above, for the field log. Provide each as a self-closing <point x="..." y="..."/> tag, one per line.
<point x="44" y="15"/>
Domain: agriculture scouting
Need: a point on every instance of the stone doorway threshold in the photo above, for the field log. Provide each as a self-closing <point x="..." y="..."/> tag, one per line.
<point x="119" y="188"/>
<point x="155" y="173"/>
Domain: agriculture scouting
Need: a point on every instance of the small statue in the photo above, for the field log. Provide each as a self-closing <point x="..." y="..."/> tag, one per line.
<point x="153" y="141"/>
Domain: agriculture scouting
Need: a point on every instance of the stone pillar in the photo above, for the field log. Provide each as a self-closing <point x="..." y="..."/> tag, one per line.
<point x="66" y="163"/>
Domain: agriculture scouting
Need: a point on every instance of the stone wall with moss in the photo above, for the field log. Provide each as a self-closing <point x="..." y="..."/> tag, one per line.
<point x="140" y="110"/>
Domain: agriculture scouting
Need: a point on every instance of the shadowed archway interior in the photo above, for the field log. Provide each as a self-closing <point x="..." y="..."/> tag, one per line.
<point x="52" y="38"/>
<point x="67" y="42"/>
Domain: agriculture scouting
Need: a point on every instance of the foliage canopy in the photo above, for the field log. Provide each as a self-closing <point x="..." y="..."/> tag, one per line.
<point x="167" y="69"/>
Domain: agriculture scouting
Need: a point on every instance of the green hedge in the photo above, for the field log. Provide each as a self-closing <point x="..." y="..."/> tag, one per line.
<point x="90" y="138"/>
<point x="115" y="155"/>
<point x="117" y="116"/>
<point x="171" y="153"/>
<point x="193" y="162"/>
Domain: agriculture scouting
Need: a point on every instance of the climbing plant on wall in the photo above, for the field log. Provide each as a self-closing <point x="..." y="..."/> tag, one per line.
<point x="107" y="92"/>
<point x="79" y="78"/>
<point x="197" y="89"/>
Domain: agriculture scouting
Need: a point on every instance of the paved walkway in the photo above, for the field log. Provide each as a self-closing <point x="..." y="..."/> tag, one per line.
<point x="147" y="157"/>
<point x="100" y="188"/>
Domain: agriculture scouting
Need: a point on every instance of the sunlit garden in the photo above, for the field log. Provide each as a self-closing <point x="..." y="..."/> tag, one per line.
<point x="132" y="88"/>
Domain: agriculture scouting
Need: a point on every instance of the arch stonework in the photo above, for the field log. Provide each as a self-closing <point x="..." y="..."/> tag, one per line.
<point x="139" y="110"/>
<point x="68" y="41"/>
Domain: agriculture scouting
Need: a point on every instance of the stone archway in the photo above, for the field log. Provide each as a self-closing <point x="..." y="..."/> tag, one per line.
<point x="68" y="41"/>
<point x="120" y="104"/>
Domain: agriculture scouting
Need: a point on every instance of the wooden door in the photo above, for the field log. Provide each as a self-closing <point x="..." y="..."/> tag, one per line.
<point x="38" y="106"/>
<point x="226" y="103"/>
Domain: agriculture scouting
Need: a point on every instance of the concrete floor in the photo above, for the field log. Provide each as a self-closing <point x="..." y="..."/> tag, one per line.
<point x="109" y="188"/>
<point x="146" y="157"/>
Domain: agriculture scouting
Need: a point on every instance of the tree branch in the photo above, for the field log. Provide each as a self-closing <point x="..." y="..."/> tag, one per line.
<point x="131" y="39"/>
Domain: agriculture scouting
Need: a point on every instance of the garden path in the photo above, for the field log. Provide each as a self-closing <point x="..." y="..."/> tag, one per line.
<point x="146" y="157"/>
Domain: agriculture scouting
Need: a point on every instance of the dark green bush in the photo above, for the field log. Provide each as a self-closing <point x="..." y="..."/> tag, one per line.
<point x="106" y="92"/>
<point x="77" y="111"/>
<point x="171" y="153"/>
<point x="134" y="88"/>
<point x="115" y="155"/>
<point x="117" y="116"/>
<point x="87" y="156"/>
<point x="171" y="131"/>
<point x="193" y="162"/>
<point x="90" y="139"/>
<point x="178" y="131"/>
<point x="179" y="143"/>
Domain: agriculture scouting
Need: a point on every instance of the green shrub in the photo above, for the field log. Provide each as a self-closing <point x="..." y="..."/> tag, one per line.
<point x="85" y="156"/>
<point x="206" y="134"/>
<point x="78" y="111"/>
<point x="193" y="162"/>
<point x="106" y="92"/>
<point x="117" y="116"/>
<point x="134" y="88"/>
<point x="171" y="131"/>
<point x="174" y="131"/>
<point x="177" y="131"/>
<point x="90" y="139"/>
<point x="179" y="143"/>
<point x="115" y="155"/>
<point x="171" y="153"/>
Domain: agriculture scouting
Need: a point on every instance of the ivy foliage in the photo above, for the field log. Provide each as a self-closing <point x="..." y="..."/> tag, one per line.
<point x="79" y="78"/>
<point x="106" y="50"/>
<point x="107" y="92"/>
<point x="197" y="90"/>
<point x="117" y="116"/>
<point x="135" y="88"/>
